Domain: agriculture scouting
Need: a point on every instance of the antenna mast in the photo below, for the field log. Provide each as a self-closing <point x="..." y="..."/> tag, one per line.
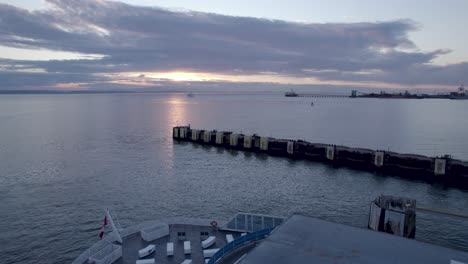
<point x="114" y="228"/>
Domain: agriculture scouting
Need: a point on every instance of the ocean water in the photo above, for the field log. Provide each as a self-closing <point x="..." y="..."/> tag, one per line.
<point x="64" y="158"/>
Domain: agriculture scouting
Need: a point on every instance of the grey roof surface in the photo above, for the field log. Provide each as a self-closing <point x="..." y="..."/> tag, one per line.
<point x="304" y="239"/>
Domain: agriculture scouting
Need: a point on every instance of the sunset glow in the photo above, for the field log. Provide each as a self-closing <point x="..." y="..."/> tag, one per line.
<point x="179" y="76"/>
<point x="152" y="79"/>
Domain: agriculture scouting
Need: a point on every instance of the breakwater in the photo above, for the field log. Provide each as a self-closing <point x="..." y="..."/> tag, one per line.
<point x="443" y="169"/>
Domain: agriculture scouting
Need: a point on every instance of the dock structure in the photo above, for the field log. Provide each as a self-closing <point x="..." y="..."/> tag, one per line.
<point x="441" y="169"/>
<point x="321" y="95"/>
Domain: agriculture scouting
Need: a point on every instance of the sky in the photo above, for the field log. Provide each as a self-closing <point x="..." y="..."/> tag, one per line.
<point x="155" y="45"/>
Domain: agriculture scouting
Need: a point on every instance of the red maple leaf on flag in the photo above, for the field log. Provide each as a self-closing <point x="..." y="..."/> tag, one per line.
<point x="101" y="234"/>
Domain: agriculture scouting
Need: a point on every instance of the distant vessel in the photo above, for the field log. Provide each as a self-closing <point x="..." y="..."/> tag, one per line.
<point x="291" y="94"/>
<point x="460" y="95"/>
<point x="190" y="94"/>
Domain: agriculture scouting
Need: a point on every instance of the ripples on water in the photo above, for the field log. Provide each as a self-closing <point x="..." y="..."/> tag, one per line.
<point x="64" y="158"/>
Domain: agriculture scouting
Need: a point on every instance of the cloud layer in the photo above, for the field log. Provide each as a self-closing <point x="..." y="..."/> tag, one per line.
<point x="143" y="39"/>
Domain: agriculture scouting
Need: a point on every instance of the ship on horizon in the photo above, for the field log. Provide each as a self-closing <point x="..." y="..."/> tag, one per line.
<point x="460" y="94"/>
<point x="291" y="93"/>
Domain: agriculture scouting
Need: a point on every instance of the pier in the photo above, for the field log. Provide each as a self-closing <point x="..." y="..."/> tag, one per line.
<point x="433" y="169"/>
<point x="320" y="95"/>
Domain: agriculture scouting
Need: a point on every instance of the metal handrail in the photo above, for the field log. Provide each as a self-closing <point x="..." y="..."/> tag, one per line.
<point x="229" y="247"/>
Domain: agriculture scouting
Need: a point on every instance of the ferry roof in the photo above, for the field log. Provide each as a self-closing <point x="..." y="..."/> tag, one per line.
<point x="304" y="239"/>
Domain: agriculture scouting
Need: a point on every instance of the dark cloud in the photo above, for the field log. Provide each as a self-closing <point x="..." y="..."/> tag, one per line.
<point x="13" y="80"/>
<point x="138" y="39"/>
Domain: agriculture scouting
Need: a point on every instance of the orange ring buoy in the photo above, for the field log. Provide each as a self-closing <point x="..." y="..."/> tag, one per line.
<point x="214" y="224"/>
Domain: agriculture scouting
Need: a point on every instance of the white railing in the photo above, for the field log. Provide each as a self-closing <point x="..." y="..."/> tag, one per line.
<point x="107" y="255"/>
<point x="154" y="232"/>
<point x="247" y="222"/>
<point x="96" y="247"/>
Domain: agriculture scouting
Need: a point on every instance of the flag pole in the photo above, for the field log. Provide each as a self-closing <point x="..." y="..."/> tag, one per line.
<point x="114" y="228"/>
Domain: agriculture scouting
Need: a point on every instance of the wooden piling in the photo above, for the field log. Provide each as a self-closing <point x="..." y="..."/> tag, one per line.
<point x="443" y="169"/>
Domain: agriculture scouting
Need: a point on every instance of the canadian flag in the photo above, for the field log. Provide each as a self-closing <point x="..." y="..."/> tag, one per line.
<point x="101" y="234"/>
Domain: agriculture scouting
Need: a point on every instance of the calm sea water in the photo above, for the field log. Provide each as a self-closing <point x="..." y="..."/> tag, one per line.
<point x="64" y="158"/>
